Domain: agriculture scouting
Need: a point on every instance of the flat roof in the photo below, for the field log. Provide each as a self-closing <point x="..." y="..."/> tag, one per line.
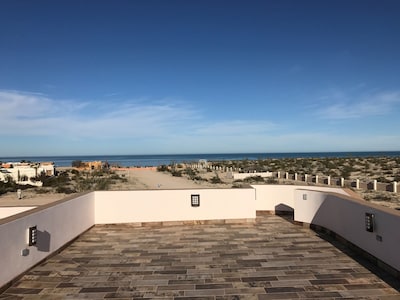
<point x="271" y="258"/>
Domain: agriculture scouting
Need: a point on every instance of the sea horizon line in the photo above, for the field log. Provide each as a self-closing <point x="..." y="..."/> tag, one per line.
<point x="206" y="153"/>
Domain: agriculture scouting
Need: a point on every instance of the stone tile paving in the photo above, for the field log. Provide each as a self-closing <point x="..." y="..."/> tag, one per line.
<point x="269" y="259"/>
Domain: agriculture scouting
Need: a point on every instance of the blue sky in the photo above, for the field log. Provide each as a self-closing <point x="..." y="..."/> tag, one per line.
<point x="164" y="77"/>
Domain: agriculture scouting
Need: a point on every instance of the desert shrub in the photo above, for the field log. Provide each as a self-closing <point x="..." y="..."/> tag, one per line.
<point x="42" y="191"/>
<point x="346" y="172"/>
<point x="55" y="181"/>
<point x="4" y="187"/>
<point x="382" y="198"/>
<point x="97" y="173"/>
<point x="11" y="186"/>
<point x="77" y="163"/>
<point x="254" y="179"/>
<point x="83" y="184"/>
<point x="115" y="177"/>
<point x="65" y="190"/>
<point x="272" y="180"/>
<point x="216" y="180"/>
<point x="103" y="184"/>
<point x="75" y="172"/>
<point x="163" y="168"/>
<point x="383" y="180"/>
<point x="176" y="173"/>
<point x="24" y="186"/>
<point x="191" y="173"/>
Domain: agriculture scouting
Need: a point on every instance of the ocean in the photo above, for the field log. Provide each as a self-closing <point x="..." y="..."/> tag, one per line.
<point x="166" y="159"/>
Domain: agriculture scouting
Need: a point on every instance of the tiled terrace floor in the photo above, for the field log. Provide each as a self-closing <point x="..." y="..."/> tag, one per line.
<point x="271" y="259"/>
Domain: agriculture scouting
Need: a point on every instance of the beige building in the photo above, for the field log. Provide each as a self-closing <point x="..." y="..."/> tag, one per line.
<point x="24" y="173"/>
<point x="92" y="165"/>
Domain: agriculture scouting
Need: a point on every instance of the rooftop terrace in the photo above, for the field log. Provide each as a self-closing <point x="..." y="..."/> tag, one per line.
<point x="271" y="258"/>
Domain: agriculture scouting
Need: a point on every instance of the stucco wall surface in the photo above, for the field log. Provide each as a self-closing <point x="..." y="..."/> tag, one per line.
<point x="173" y="205"/>
<point x="346" y="217"/>
<point x="57" y="225"/>
<point x="246" y="175"/>
<point x="281" y="197"/>
<point x="9" y="211"/>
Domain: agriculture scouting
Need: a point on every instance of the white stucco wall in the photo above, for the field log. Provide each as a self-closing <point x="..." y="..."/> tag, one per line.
<point x="63" y="221"/>
<point x="173" y="205"/>
<point x="57" y="225"/>
<point x="10" y="211"/>
<point x="246" y="175"/>
<point x="346" y="217"/>
<point x="28" y="171"/>
<point x="281" y="197"/>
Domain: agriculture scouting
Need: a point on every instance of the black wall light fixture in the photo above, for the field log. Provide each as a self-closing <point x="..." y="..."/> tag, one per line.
<point x="195" y="200"/>
<point x="369" y="222"/>
<point x="32" y="237"/>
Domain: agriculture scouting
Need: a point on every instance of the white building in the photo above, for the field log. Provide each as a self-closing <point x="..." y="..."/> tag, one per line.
<point x="25" y="173"/>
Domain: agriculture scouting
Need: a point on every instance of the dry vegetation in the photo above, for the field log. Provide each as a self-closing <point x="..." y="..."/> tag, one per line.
<point x="366" y="169"/>
<point x="69" y="181"/>
<point x="383" y="169"/>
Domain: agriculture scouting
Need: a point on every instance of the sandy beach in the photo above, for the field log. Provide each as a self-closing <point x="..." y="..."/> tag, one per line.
<point x="137" y="179"/>
<point x="150" y="178"/>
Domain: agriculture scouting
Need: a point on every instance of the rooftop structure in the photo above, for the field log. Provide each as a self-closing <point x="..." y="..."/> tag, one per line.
<point x="212" y="244"/>
<point x="269" y="259"/>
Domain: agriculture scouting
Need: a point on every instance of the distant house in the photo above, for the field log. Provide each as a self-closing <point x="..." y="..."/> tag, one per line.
<point x="91" y="165"/>
<point x="25" y="173"/>
<point x="48" y="168"/>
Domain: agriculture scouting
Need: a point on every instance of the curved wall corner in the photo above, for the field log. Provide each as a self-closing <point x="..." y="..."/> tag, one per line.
<point x="346" y="217"/>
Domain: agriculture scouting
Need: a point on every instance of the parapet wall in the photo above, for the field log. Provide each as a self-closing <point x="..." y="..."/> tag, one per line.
<point x="174" y="205"/>
<point x="56" y="225"/>
<point x="59" y="223"/>
<point x="282" y="197"/>
<point x="242" y="176"/>
<point x="10" y="211"/>
<point x="346" y="217"/>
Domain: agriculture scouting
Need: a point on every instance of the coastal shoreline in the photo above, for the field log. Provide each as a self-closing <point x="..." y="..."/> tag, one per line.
<point x="386" y="169"/>
<point x="154" y="160"/>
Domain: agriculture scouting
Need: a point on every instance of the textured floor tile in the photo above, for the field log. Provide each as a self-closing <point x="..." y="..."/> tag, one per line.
<point x="269" y="259"/>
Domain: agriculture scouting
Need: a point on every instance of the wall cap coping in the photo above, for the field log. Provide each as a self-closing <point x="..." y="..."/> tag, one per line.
<point x="358" y="200"/>
<point x="39" y="207"/>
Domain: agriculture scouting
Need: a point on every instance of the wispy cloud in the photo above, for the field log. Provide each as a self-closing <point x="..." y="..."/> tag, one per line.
<point x="340" y="105"/>
<point x="29" y="114"/>
<point x="19" y="105"/>
<point x="236" y="128"/>
<point x="173" y="126"/>
<point x="36" y="114"/>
